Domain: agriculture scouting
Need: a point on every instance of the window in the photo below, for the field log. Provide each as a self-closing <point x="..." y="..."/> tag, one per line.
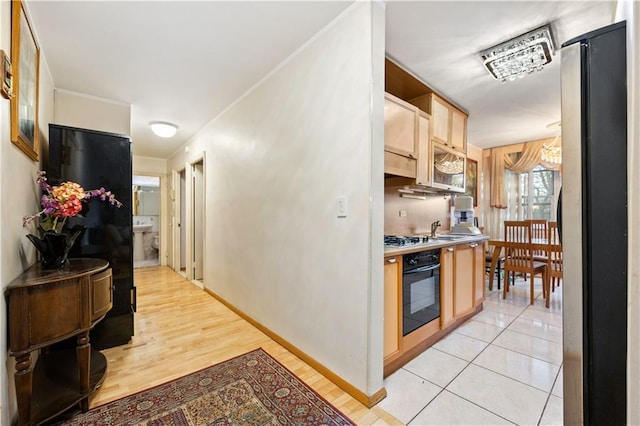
<point x="538" y="193"/>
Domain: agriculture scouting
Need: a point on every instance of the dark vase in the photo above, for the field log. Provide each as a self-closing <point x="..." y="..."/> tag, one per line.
<point x="54" y="247"/>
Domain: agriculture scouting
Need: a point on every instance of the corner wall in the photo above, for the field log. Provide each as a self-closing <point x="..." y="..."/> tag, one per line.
<point x="19" y="197"/>
<point x="276" y="163"/>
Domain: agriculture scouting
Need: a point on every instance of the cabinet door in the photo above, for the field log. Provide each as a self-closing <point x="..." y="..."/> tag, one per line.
<point x="446" y="287"/>
<point x="463" y="282"/>
<point x="392" y="280"/>
<point x="478" y="273"/>
<point x="440" y="117"/>
<point x="458" y="140"/>
<point x="400" y="126"/>
<point x="423" y="166"/>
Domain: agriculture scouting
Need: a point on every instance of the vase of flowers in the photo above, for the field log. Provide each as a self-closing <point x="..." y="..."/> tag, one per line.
<point x="58" y="204"/>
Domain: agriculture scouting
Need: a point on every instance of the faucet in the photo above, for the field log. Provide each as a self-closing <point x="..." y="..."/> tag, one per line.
<point x="434" y="227"/>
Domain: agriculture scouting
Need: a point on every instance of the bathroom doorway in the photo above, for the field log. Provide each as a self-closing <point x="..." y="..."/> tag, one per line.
<point x="146" y="220"/>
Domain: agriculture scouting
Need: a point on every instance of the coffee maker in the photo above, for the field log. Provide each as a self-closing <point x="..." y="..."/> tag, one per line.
<point x="463" y="217"/>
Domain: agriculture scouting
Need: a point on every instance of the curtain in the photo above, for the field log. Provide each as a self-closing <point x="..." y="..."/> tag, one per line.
<point x="500" y="160"/>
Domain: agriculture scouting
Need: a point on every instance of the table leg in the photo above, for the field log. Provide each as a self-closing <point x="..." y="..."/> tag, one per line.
<point x="24" y="380"/>
<point x="83" y="351"/>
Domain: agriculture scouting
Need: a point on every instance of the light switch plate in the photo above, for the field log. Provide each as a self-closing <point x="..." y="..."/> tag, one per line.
<point x="341" y="206"/>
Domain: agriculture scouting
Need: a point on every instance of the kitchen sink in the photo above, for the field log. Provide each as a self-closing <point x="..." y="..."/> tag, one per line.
<point x="448" y="237"/>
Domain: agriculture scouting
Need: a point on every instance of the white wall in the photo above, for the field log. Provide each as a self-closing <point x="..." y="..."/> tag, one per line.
<point x="90" y="112"/>
<point x="276" y="163"/>
<point x="149" y="166"/>
<point x="19" y="197"/>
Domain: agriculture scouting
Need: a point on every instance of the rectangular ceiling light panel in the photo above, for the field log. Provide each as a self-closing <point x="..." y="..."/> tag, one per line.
<point x="519" y="56"/>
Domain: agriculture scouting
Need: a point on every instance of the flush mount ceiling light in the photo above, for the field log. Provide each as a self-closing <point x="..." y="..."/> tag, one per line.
<point x="163" y="129"/>
<point x="519" y="56"/>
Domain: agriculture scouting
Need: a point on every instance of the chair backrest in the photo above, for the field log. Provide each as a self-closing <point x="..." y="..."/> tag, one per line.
<point x="539" y="231"/>
<point x="553" y="237"/>
<point x="519" y="255"/>
<point x="555" y="249"/>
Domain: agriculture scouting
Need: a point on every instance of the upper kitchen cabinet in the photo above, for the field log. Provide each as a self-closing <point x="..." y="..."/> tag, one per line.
<point x="449" y="123"/>
<point x="406" y="139"/>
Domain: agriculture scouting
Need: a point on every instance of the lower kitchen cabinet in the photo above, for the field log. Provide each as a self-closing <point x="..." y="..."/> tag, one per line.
<point x="478" y="273"/>
<point x="446" y="287"/>
<point x="461" y="281"/>
<point x="392" y="307"/>
<point x="463" y="294"/>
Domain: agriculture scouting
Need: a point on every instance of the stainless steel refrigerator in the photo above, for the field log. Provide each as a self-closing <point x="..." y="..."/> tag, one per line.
<point x="594" y="226"/>
<point x="98" y="159"/>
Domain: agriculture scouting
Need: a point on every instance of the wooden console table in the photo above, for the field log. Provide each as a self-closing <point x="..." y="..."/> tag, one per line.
<point x="48" y="306"/>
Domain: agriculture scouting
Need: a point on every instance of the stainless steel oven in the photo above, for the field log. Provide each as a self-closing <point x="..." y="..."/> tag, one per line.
<point x="420" y="289"/>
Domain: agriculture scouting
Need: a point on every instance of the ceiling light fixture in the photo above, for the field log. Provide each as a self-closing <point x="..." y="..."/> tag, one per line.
<point x="163" y="129"/>
<point x="519" y="56"/>
<point x="552" y="151"/>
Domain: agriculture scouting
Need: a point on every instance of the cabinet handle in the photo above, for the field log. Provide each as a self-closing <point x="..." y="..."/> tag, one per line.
<point x="449" y="249"/>
<point x="392" y="260"/>
<point x="474" y="245"/>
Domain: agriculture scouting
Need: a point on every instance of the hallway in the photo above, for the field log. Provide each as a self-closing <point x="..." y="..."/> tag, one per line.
<point x="180" y="329"/>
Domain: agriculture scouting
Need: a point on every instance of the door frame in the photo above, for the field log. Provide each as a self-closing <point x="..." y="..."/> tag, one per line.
<point x="191" y="225"/>
<point x="176" y="219"/>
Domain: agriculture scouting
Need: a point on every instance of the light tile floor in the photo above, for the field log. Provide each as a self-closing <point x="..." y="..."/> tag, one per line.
<point x="503" y="366"/>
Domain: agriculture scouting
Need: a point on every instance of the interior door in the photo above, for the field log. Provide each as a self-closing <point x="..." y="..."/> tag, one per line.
<point x="198" y="220"/>
<point x="182" y="214"/>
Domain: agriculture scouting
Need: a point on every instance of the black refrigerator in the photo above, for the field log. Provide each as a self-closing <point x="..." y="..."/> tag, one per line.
<point x="594" y="226"/>
<point x="97" y="159"/>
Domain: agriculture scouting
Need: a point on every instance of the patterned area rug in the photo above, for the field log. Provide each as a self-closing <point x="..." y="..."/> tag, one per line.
<point x="251" y="389"/>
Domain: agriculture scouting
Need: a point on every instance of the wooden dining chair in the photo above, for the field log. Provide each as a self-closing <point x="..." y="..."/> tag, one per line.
<point x="554" y="255"/>
<point x="519" y="257"/>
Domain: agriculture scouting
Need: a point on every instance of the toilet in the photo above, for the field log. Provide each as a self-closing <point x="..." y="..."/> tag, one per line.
<point x="156" y="242"/>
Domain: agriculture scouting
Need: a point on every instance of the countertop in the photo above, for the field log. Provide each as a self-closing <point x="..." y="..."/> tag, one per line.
<point x="436" y="243"/>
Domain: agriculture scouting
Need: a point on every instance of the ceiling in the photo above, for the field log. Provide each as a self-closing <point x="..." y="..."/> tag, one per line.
<point x="186" y="62"/>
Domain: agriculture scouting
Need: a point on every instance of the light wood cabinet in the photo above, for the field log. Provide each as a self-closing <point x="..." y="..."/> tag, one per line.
<point x="392" y="307"/>
<point x="449" y="126"/>
<point x="478" y="274"/>
<point x="400" y="137"/>
<point x="463" y="280"/>
<point x="446" y="287"/>
<point x="458" y="135"/>
<point x="423" y="166"/>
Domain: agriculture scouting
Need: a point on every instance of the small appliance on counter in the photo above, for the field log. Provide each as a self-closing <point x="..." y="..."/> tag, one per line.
<point x="463" y="217"/>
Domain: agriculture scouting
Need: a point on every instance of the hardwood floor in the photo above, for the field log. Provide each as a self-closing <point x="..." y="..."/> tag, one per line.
<point x="179" y="329"/>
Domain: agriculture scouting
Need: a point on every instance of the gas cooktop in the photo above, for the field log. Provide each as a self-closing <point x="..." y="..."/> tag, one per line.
<point x="398" y="241"/>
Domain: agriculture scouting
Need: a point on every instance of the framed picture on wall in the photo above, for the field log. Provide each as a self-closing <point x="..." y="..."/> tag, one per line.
<point x="26" y="62"/>
<point x="472" y="180"/>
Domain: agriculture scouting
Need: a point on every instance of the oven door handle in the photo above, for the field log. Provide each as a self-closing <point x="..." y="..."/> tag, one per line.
<point x="423" y="269"/>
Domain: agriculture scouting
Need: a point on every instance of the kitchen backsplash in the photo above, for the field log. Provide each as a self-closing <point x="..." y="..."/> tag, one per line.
<point x="406" y="216"/>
